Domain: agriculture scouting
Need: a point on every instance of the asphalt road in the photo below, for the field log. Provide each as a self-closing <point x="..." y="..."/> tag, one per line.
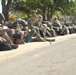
<point x="55" y="59"/>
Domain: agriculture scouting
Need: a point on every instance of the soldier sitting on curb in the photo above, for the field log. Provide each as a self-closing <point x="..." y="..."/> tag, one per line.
<point x="44" y="30"/>
<point x="33" y="30"/>
<point x="2" y="18"/>
<point x="57" y="26"/>
<point x="18" y="37"/>
<point x="4" y="45"/>
<point x="4" y="35"/>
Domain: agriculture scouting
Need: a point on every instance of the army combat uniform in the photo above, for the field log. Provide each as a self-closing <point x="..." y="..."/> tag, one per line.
<point x="2" y="18"/>
<point x="4" y="35"/>
<point x="33" y="31"/>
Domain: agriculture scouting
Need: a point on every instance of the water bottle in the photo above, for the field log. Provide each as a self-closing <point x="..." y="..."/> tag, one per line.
<point x="30" y="38"/>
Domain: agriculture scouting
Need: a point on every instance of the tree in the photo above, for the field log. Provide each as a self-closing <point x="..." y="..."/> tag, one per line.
<point x="6" y="5"/>
<point x="45" y="7"/>
<point x="33" y="6"/>
<point x="5" y="8"/>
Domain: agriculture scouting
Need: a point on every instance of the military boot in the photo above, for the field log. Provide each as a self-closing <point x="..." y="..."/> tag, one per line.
<point x="14" y="46"/>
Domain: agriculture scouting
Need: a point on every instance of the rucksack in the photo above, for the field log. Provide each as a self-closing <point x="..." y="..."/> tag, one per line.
<point x="5" y="46"/>
<point x="16" y="36"/>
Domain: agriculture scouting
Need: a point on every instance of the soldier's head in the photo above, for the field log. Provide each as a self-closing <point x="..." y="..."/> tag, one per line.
<point x="34" y="16"/>
<point x="40" y="17"/>
<point x="55" y="18"/>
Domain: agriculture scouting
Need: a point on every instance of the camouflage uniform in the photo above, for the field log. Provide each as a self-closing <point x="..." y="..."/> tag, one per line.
<point x="2" y="18"/>
<point x="33" y="30"/>
<point x="57" y="26"/>
<point x="4" y="35"/>
<point x="39" y="27"/>
<point x="43" y="30"/>
<point x="64" y="30"/>
<point x="18" y="37"/>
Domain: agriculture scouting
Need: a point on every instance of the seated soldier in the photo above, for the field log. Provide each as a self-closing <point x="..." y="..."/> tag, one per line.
<point x="2" y="18"/>
<point x="11" y="32"/>
<point x="57" y="26"/>
<point x="4" y="45"/>
<point x="18" y="37"/>
<point x="34" y="30"/>
<point x="5" y="36"/>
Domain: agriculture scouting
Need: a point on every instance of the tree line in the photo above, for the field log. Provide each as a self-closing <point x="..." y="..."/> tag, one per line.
<point x="47" y="8"/>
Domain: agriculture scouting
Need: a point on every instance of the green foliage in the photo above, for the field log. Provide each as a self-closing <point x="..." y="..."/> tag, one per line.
<point x="45" y="7"/>
<point x="57" y="13"/>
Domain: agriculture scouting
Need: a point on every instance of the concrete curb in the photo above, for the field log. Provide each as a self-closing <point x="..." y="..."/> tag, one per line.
<point x="31" y="47"/>
<point x="21" y="49"/>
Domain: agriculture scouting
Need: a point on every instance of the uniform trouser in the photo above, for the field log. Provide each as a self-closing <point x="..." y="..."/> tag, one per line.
<point x="37" y="35"/>
<point x="41" y="33"/>
<point x="48" y="33"/>
<point x="8" y="40"/>
<point x="5" y="36"/>
<point x="5" y="46"/>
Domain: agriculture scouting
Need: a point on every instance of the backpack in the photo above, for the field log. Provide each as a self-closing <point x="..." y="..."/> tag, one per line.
<point x="5" y="46"/>
<point x="16" y="36"/>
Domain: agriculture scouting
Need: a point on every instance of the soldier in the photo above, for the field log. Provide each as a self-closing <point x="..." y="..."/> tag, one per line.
<point x="2" y="18"/>
<point x="18" y="37"/>
<point x="5" y="36"/>
<point x="39" y="22"/>
<point x="32" y="28"/>
<point x="43" y="28"/>
<point x="31" y="21"/>
<point x="39" y="27"/>
<point x="57" y="26"/>
<point x="4" y="45"/>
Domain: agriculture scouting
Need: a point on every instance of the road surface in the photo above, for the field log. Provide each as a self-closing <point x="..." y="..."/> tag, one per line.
<point x="55" y="59"/>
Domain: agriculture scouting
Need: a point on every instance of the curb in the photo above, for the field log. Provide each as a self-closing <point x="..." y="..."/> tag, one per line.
<point x="22" y="49"/>
<point x="31" y="47"/>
